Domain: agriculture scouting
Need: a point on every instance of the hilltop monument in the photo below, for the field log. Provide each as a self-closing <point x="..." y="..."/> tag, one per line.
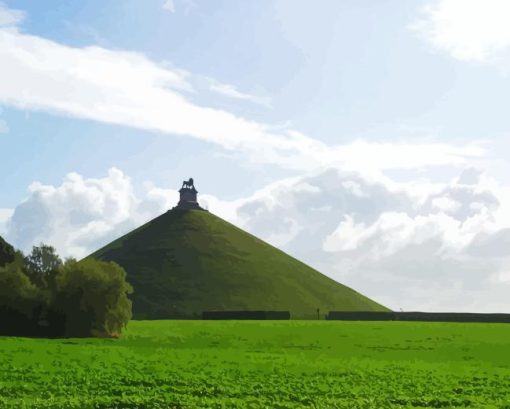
<point x="188" y="196"/>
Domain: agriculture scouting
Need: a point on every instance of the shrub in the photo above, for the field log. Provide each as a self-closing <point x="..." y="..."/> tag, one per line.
<point x="21" y="303"/>
<point x="92" y="297"/>
<point x="42" y="265"/>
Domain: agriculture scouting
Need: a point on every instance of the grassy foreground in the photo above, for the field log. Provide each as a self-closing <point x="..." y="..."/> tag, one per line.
<point x="273" y="364"/>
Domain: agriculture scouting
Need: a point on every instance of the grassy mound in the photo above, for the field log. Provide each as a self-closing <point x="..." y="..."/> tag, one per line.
<point x="188" y="261"/>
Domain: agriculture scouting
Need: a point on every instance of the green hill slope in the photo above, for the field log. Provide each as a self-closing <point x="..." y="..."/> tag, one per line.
<point x="187" y="261"/>
<point x="7" y="252"/>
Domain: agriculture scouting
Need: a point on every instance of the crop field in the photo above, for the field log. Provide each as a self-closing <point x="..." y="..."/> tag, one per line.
<point x="256" y="364"/>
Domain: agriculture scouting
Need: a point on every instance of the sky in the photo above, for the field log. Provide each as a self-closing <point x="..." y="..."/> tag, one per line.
<point x="367" y="138"/>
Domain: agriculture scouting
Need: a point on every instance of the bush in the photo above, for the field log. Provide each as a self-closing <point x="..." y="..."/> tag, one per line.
<point x="21" y="303"/>
<point x="41" y="295"/>
<point x="42" y="265"/>
<point x="92" y="298"/>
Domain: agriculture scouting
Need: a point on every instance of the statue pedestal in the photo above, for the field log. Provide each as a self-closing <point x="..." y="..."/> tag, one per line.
<point x="188" y="197"/>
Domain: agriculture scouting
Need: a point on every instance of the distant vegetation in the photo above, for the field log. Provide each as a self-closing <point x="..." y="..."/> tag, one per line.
<point x="41" y="295"/>
<point x="418" y="316"/>
<point x="246" y="315"/>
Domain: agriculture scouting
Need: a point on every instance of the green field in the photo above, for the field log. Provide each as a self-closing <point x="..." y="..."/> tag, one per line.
<point x="273" y="364"/>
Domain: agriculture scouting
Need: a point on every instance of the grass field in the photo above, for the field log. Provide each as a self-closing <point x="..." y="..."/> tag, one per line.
<point x="273" y="364"/>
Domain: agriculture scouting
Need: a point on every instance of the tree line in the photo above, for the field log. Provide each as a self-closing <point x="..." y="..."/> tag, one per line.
<point x="43" y="295"/>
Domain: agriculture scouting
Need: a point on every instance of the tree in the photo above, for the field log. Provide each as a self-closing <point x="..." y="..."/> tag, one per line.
<point x="93" y="297"/>
<point x="41" y="295"/>
<point x="7" y="253"/>
<point x="42" y="265"/>
<point x="21" y="303"/>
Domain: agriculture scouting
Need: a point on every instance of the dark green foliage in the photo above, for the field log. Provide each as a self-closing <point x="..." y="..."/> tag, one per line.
<point x="361" y="316"/>
<point x="245" y="315"/>
<point x="188" y="261"/>
<point x="21" y="303"/>
<point x="418" y="316"/>
<point x="41" y="296"/>
<point x="451" y="317"/>
<point x="42" y="265"/>
<point x="7" y="253"/>
<point x="92" y="298"/>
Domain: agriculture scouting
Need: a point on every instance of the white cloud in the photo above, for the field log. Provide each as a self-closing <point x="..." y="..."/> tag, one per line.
<point x="445" y="204"/>
<point x="75" y="216"/>
<point x="469" y="30"/>
<point x="9" y="17"/>
<point x="504" y="276"/>
<point x="347" y="236"/>
<point x="5" y="215"/>
<point x="184" y="5"/>
<point x="417" y="247"/>
<point x="231" y="91"/>
<point x="118" y="87"/>
<point x="169" y="6"/>
<point x="127" y="88"/>
<point x="82" y="214"/>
